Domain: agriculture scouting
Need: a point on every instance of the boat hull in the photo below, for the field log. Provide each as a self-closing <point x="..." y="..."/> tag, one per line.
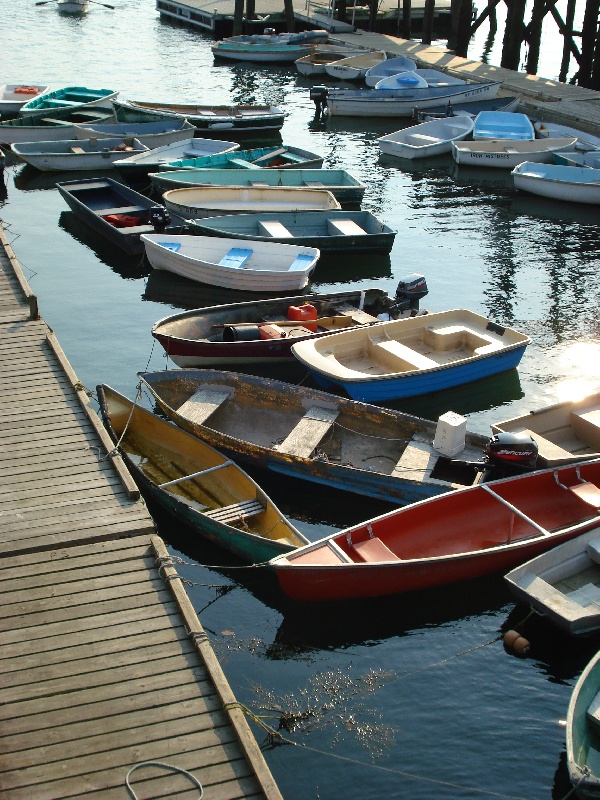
<point x="564" y="189"/>
<point x="507" y="155"/>
<point x="582" y="751"/>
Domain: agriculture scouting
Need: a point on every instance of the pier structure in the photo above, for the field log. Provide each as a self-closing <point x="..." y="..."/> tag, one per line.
<point x="104" y="665"/>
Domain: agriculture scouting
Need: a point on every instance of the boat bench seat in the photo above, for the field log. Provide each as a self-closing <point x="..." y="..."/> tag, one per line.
<point x="454" y="337"/>
<point x="78" y="150"/>
<point x="236" y="257"/>
<point x="52" y="103"/>
<point x="372" y="550"/>
<point x="314" y="184"/>
<point x="202" y="404"/>
<point x="395" y="354"/>
<point x="593" y="550"/>
<point x="422" y="138"/>
<point x="242" y="510"/>
<point x="309" y="432"/>
<point x="345" y="227"/>
<point x="274" y="228"/>
<point x="58" y="122"/>
<point x="593" y="713"/>
<point x="105" y="212"/>
<point x="240" y="163"/>
<point x="301" y="262"/>
<point x="586" y="425"/>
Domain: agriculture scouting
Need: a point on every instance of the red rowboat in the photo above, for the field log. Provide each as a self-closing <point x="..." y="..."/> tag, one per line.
<point x="452" y="537"/>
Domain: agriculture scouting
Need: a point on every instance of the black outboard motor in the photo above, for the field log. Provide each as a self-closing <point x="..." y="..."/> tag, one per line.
<point x="508" y="454"/>
<point x="409" y="292"/>
<point x="159" y="218"/>
<point x="318" y="94"/>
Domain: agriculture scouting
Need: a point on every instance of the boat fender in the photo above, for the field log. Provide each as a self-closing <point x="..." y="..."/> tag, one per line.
<point x="517" y="643"/>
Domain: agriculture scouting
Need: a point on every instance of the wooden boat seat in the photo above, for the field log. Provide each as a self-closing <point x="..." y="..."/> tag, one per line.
<point x="309" y="432"/>
<point x="373" y="550"/>
<point x="345" y="227"/>
<point x="395" y="354"/>
<point x="267" y="156"/>
<point x="236" y="257"/>
<point x="240" y="163"/>
<point x="242" y="510"/>
<point x="416" y="462"/>
<point x="274" y="228"/>
<point x="77" y="150"/>
<point x="202" y="404"/>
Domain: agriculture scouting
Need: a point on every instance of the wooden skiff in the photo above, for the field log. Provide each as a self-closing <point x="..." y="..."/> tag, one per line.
<point x="196" y="484"/>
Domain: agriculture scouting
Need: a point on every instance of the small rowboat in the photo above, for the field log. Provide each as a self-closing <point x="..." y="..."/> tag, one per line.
<point x="583" y="726"/>
<point x="389" y="66"/>
<point x="503" y="154"/>
<point x="502" y="125"/>
<point x="330" y="231"/>
<point x="456" y="536"/>
<point x="567" y="184"/>
<point x="46" y="126"/>
<point x="68" y="97"/>
<point x="231" y="333"/>
<point x="208" y="201"/>
<point x="283" y="157"/>
<point x="196" y="484"/>
<point x="355" y="67"/>
<point x="409" y="357"/>
<point x="264" y="267"/>
<point x="314" y="436"/>
<point x="585" y="141"/>
<point x="73" y="6"/>
<point x="76" y="154"/>
<point x="426" y="139"/>
<point x="13" y="97"/>
<point x="152" y="134"/>
<point x="314" y="63"/>
<point x="268" y="47"/>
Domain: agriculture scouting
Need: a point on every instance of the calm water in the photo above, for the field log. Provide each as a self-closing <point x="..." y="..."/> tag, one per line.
<point x="400" y="696"/>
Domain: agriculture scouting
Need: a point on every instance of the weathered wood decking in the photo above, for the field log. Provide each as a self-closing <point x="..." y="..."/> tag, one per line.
<point x="103" y="661"/>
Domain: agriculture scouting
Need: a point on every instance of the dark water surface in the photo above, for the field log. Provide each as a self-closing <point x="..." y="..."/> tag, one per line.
<point x="399" y="697"/>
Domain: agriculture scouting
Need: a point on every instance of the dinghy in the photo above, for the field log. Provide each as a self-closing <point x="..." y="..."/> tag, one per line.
<point x="138" y="167"/>
<point x="583" y="726"/>
<point x="503" y="154"/>
<point x="73" y="6"/>
<point x="563" y="584"/>
<point x="314" y="436"/>
<point x="152" y="134"/>
<point x="585" y="141"/>
<point x="591" y="158"/>
<point x="114" y="211"/>
<point x="419" y="78"/>
<point x="330" y="231"/>
<point x="76" y="154"/>
<point x="343" y="186"/>
<point x="196" y="484"/>
<point x="409" y="357"/>
<point x="389" y="66"/>
<point x="314" y="63"/>
<point x="281" y="157"/>
<point x="218" y="122"/>
<point x="207" y="201"/>
<point x="13" y="96"/>
<point x="502" y="125"/>
<point x="233" y="333"/>
<point x="51" y="126"/>
<point x="68" y="97"/>
<point x="354" y="68"/>
<point x="268" y="47"/>
<point x="426" y="139"/>
<point x="263" y="267"/>
<point x="403" y="102"/>
<point x="456" y="536"/>
<point x="564" y="432"/>
<point x="567" y="184"/>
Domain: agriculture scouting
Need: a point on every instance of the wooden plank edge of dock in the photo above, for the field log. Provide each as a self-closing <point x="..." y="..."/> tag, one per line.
<point x="202" y="644"/>
<point x="30" y="297"/>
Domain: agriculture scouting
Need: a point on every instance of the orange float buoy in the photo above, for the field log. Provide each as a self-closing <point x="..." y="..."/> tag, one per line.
<point x="521" y="646"/>
<point x="510" y="637"/>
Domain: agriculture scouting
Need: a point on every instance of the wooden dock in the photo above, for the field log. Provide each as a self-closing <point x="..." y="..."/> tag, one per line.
<point x="103" y="662"/>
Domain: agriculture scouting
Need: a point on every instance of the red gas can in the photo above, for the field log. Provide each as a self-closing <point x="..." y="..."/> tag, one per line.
<point x="304" y="314"/>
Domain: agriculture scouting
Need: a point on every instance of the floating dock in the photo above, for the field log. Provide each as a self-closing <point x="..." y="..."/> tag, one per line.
<point x="104" y="664"/>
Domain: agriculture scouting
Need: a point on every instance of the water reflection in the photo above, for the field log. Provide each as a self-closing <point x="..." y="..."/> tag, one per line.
<point x="130" y="267"/>
<point x="544" y="208"/>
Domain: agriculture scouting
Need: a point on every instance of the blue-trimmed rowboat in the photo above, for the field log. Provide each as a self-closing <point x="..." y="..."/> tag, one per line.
<point x="583" y="727"/>
<point x="314" y="436"/>
<point x="195" y="483"/>
<point x="282" y="157"/>
<point x="69" y="97"/>
<point x="409" y="357"/>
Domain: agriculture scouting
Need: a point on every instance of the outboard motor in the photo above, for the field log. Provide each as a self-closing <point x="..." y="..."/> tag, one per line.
<point x="508" y="454"/>
<point x="409" y="292"/>
<point x="159" y="218"/>
<point x="318" y="94"/>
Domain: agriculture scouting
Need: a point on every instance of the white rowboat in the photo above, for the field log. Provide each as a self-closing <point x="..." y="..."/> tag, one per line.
<point x="251" y="266"/>
<point x="507" y="154"/>
<point x="585" y="141"/>
<point x="387" y="67"/>
<point x="76" y="154"/>
<point x="569" y="184"/>
<point x="13" y="96"/>
<point x="355" y="67"/>
<point x="426" y="139"/>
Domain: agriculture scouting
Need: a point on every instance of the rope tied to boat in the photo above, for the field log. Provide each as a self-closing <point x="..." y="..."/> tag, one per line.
<point x="161" y="765"/>
<point x="273" y="735"/>
<point x="115" y="449"/>
<point x="586" y="774"/>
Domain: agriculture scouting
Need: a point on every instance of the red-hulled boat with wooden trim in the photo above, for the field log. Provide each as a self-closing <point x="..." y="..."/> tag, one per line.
<point x="449" y="538"/>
